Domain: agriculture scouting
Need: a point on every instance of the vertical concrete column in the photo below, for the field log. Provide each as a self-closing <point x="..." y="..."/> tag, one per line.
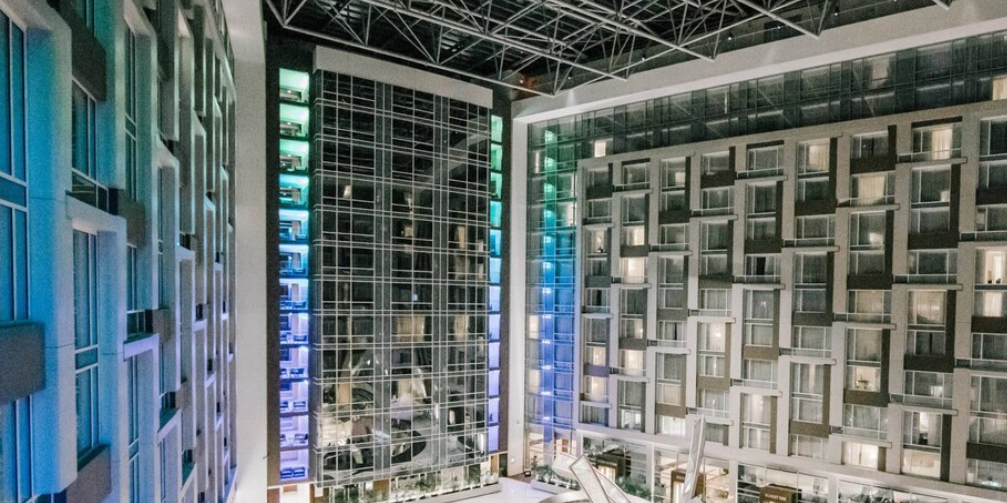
<point x="516" y="276"/>
<point x="969" y="181"/>
<point x="111" y="306"/>
<point x="48" y="74"/>
<point x="901" y="227"/>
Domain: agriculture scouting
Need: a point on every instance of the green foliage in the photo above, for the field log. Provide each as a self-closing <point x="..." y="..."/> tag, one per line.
<point x="635" y="485"/>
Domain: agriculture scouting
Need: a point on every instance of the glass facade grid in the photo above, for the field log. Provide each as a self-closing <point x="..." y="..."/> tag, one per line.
<point x="402" y="282"/>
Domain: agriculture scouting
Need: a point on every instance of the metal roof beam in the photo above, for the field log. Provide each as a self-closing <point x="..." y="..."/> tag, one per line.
<point x="494" y="38"/>
<point x="762" y="10"/>
<point x="403" y="57"/>
<point x="625" y="27"/>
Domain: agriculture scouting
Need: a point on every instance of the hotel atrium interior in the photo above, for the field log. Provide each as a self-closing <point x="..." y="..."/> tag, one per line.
<point x="503" y="251"/>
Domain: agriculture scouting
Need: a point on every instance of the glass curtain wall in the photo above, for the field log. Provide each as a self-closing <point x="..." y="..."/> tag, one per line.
<point x="400" y="291"/>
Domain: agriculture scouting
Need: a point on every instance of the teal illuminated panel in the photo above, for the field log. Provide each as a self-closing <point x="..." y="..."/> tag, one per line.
<point x="293" y="183"/>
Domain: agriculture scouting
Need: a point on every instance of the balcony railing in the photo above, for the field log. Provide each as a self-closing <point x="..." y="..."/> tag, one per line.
<point x="670" y="247"/>
<point x="671" y="343"/>
<point x="287" y="337"/>
<point x="923" y="400"/>
<point x="755" y="279"/>
<point x="927" y="279"/>
<point x="597" y="220"/>
<point x="809" y="352"/>
<point x="709" y="412"/>
<point x="860" y="432"/>
<point x="759" y="173"/>
<point x="723" y="313"/>
<point x="626" y="187"/>
<point x="932" y="155"/>
<point x="799" y="242"/>
<point x="984" y="236"/>
<point x="864" y="317"/>
<point x="594" y="397"/>
<point x="871" y="201"/>
<point x="754" y="383"/>
<point x="705" y="212"/>
<point x="630" y="371"/>
<point x="988" y="428"/>
<point x="88" y="191"/>
<point x="982" y="364"/>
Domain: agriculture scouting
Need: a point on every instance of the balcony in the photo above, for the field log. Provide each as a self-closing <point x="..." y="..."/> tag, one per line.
<point x="288" y="304"/>
<point x="292" y="163"/>
<point x="706" y="212"/>
<point x="670" y="343"/>
<point x="88" y="191"/>
<point x="709" y="412"/>
<point x="927" y="279"/>
<point x="854" y="431"/>
<point x="598" y="220"/>
<point x="922" y="400"/>
<point x="629" y="371"/>
<point x="807" y="352"/>
<point x="287" y="337"/>
<point x="665" y="247"/>
<point x="981" y="364"/>
<point x="760" y="173"/>
<point x="988" y="428"/>
<point x="984" y="236"/>
<point x="931" y="155"/>
<point x="869" y="201"/>
<point x="669" y="392"/>
<point x="594" y="398"/>
<point x="754" y="383"/>
<point x="864" y="317"/>
<point x="720" y="313"/>
<point x="631" y="186"/>
<point x="758" y="279"/>
<point x="808" y="242"/>
<point x="293" y="371"/>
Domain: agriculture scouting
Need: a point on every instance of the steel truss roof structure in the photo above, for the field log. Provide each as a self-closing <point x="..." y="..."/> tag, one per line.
<point x="550" y="46"/>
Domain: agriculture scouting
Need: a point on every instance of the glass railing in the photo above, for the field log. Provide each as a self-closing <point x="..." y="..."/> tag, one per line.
<point x="757" y="278"/>
<point x="705" y="212"/>
<point x="854" y="431"/>
<point x="924" y="400"/>
<point x="927" y="279"/>
<point x="799" y="242"/>
<point x="670" y="247"/>
<point x="864" y="317"/>
<point x="758" y="173"/>
<point x="88" y="190"/>
<point x="931" y="155"/>
<point x="871" y="200"/>
<point x="988" y="428"/>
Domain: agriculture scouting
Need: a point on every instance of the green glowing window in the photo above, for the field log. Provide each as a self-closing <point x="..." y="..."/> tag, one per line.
<point x="496" y="157"/>
<point x="496" y="128"/>
<point x="293" y="120"/>
<point x="496" y="213"/>
<point x="294" y="85"/>
<point x="496" y="185"/>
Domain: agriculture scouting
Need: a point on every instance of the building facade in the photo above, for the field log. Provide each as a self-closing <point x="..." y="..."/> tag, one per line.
<point x="116" y="235"/>
<point x="388" y="359"/>
<point x="809" y="260"/>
